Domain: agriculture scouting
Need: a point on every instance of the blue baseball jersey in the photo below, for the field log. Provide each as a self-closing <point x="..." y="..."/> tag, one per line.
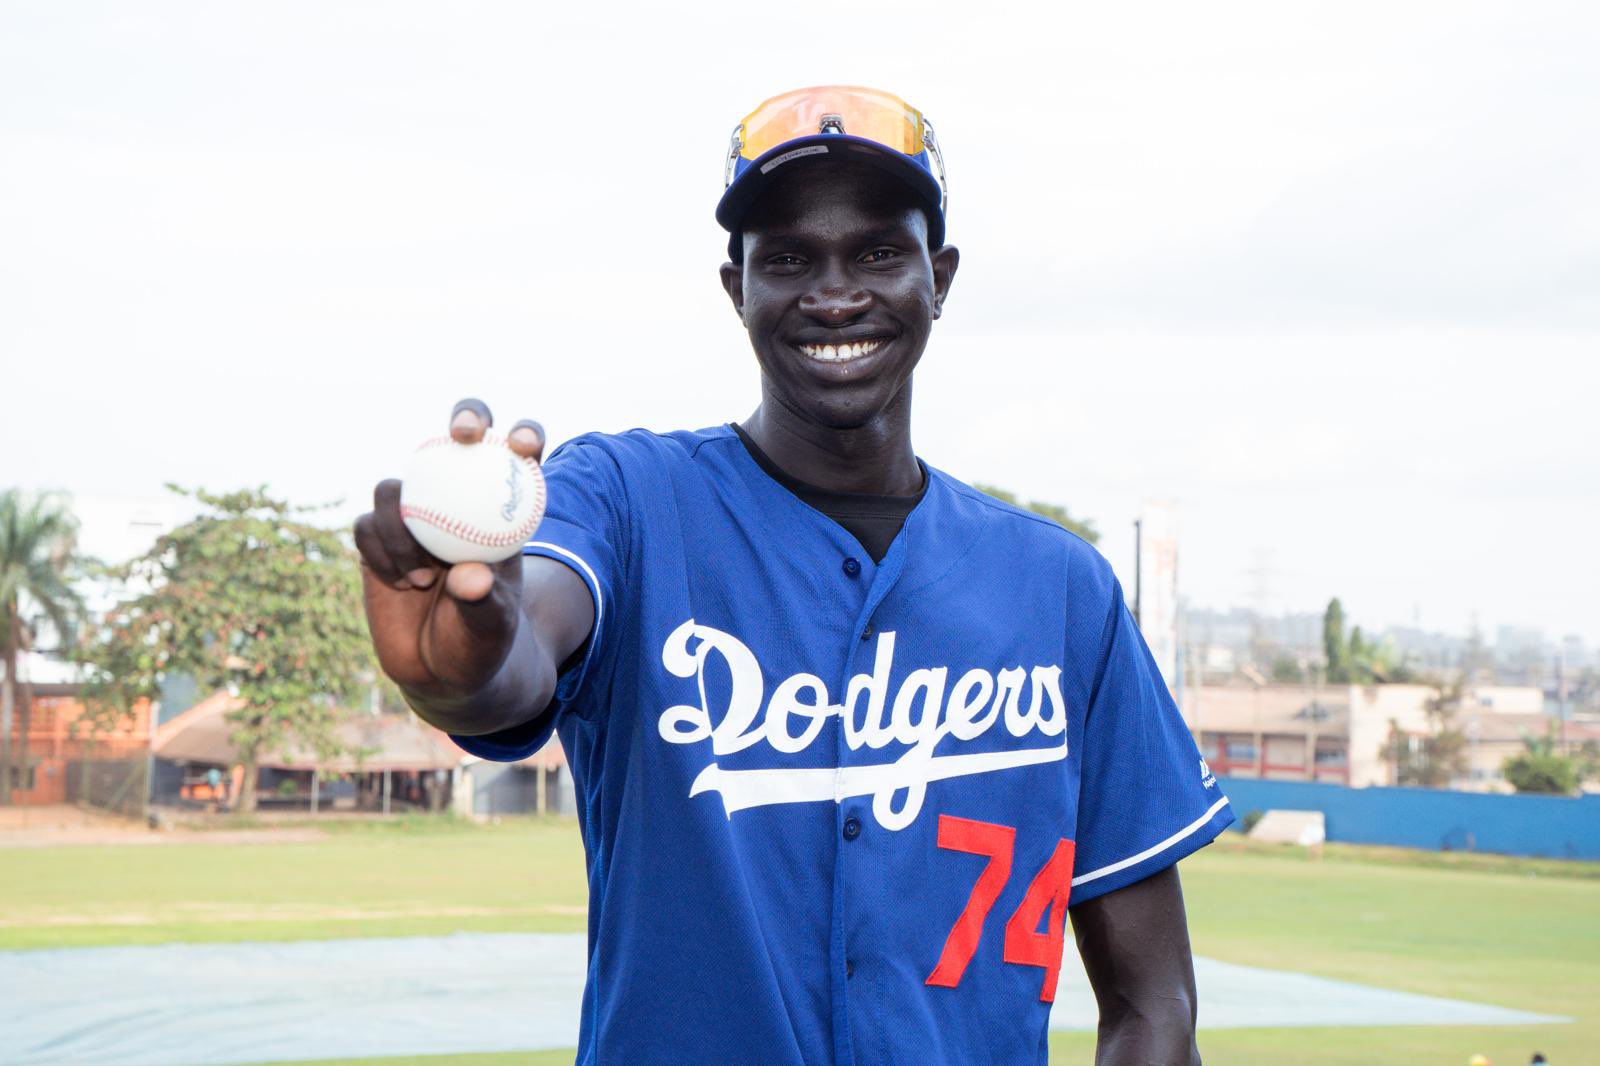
<point x="835" y="810"/>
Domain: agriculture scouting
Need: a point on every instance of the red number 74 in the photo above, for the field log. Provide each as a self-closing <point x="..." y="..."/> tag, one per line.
<point x="1024" y="944"/>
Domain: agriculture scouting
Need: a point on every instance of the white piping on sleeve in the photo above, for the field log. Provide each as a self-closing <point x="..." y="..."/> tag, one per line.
<point x="1131" y="860"/>
<point x="594" y="583"/>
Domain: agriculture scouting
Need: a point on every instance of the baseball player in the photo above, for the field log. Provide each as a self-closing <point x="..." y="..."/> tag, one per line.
<point x="850" y="739"/>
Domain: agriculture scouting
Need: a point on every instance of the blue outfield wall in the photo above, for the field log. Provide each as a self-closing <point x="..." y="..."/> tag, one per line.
<point x="1557" y="827"/>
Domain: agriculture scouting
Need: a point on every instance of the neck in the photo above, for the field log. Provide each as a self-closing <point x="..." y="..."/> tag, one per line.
<point x="875" y="457"/>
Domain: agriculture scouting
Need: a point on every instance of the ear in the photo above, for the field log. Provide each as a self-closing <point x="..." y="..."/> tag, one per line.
<point x="945" y="261"/>
<point x="733" y="284"/>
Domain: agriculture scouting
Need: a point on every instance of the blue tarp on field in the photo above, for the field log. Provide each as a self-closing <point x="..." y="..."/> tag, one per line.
<point x="213" y="1004"/>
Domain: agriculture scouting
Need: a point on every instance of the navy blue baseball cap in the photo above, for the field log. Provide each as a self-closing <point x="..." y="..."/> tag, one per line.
<point x="840" y="121"/>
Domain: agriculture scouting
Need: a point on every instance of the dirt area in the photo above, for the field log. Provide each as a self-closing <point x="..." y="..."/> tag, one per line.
<point x="44" y="827"/>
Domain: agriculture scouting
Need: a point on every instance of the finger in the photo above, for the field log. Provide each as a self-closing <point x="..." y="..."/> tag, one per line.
<point x="486" y="593"/>
<point x="373" y="554"/>
<point x="527" y="439"/>
<point x="409" y="560"/>
<point x="486" y="596"/>
<point x="469" y="638"/>
<point x="469" y="582"/>
<point x="469" y="419"/>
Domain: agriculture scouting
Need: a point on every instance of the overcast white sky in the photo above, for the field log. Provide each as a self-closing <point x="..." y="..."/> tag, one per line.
<point x="1326" y="274"/>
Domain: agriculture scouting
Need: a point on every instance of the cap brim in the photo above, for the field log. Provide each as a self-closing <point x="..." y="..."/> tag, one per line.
<point x="760" y="173"/>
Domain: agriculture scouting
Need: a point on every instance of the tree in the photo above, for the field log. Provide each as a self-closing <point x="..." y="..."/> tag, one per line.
<point x="1477" y="661"/>
<point x="1286" y="670"/>
<point x="247" y="597"/>
<point x="38" y="559"/>
<point x="1334" y="646"/>
<point x="1434" y="760"/>
<point x="1355" y="660"/>
<point x="1055" y="512"/>
<point x="1540" y="769"/>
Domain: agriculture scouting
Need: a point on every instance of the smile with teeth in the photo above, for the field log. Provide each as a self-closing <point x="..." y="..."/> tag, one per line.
<point x="840" y="353"/>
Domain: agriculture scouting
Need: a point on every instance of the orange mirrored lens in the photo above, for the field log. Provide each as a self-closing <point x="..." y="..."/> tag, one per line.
<point x="870" y="113"/>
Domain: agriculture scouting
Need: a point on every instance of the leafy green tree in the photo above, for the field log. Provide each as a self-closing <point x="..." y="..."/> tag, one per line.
<point x="38" y="560"/>
<point x="1357" y="648"/>
<point x="1440" y="757"/>
<point x="1588" y="761"/>
<point x="251" y="598"/>
<point x="1053" y="511"/>
<point x="1477" y="661"/>
<point x="1540" y="769"/>
<point x="1286" y="670"/>
<point x="1335" y="648"/>
<point x="1355" y="660"/>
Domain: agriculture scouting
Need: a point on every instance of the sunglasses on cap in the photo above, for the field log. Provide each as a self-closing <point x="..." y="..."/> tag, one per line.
<point x="845" y="121"/>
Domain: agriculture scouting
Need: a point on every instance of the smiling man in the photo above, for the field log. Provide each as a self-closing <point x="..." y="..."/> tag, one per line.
<point x="850" y="739"/>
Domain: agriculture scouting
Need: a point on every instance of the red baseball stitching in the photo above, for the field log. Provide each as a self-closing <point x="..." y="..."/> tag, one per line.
<point x="470" y="533"/>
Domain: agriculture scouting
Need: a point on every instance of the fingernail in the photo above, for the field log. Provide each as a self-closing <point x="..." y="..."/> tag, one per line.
<point x="420" y="578"/>
<point x="466" y="426"/>
<point x="526" y="436"/>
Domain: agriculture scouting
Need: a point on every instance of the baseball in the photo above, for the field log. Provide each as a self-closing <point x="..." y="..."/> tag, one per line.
<point x="471" y="503"/>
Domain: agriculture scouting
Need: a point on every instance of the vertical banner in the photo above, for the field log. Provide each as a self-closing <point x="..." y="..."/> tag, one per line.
<point x="1158" y="585"/>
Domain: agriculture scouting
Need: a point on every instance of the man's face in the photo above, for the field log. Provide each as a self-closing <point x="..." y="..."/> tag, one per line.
<point x="838" y="291"/>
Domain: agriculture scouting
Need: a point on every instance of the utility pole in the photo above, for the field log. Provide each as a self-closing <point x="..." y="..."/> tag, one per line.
<point x="1138" y="563"/>
<point x="1260" y="574"/>
<point x="1561" y="693"/>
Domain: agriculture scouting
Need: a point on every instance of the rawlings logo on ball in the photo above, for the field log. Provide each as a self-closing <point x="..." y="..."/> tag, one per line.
<point x="514" y="481"/>
<point x="471" y="503"/>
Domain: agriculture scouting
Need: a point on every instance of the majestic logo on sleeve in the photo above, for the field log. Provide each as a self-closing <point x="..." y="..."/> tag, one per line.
<point x="929" y="711"/>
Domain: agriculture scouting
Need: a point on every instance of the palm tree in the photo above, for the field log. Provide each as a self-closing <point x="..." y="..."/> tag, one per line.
<point x="38" y="538"/>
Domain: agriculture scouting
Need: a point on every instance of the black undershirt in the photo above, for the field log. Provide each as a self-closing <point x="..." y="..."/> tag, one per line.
<point x="872" y="519"/>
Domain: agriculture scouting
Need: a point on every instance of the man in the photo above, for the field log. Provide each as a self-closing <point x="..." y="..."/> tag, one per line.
<point x="847" y="736"/>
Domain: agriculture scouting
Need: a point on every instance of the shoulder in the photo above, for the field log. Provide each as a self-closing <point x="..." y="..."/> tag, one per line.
<point x="1018" y="524"/>
<point x="1018" y="531"/>
<point x="639" y="450"/>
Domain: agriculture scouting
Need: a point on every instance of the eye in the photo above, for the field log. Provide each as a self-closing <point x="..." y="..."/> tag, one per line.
<point x="880" y="255"/>
<point x="784" y="262"/>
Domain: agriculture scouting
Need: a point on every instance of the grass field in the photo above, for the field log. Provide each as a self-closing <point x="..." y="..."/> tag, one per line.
<point x="1507" y="932"/>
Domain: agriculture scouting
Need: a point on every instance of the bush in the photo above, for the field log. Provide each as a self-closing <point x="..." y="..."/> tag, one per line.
<point x="1248" y="822"/>
<point x="1538" y="772"/>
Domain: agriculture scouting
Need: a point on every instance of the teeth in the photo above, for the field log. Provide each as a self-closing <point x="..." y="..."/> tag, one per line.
<point x="840" y="353"/>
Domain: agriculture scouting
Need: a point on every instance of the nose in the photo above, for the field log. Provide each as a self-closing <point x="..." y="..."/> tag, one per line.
<point x="835" y="304"/>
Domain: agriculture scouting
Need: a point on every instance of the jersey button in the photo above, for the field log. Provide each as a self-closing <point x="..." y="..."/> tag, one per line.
<point x="866" y="634"/>
<point x="852" y="567"/>
<point x="849" y="968"/>
<point x="852" y="828"/>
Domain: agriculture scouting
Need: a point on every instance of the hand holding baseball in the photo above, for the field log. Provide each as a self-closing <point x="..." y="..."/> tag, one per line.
<point x="439" y="626"/>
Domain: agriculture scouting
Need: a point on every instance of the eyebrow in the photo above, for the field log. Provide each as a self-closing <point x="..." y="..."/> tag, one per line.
<point x="886" y="234"/>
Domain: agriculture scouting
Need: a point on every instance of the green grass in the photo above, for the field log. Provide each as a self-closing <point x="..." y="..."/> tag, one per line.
<point x="410" y="878"/>
<point x="1516" y="933"/>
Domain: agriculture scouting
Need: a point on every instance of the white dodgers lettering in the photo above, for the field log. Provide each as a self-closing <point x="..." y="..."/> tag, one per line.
<point x="924" y="711"/>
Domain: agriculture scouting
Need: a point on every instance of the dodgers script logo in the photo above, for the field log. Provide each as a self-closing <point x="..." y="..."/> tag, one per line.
<point x="927" y="711"/>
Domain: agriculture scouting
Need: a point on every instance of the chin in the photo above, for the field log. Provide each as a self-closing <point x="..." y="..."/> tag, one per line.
<point x="844" y="412"/>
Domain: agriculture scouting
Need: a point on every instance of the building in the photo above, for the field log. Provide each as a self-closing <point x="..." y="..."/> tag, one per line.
<point x="540" y="784"/>
<point x="387" y="761"/>
<point x="1289" y="732"/>
<point x="1339" y="733"/>
<point x="392" y="762"/>
<point x="68" y="762"/>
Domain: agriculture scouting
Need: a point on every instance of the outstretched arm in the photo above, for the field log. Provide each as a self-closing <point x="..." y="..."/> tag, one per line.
<point x="1135" y="948"/>
<point x="474" y="647"/>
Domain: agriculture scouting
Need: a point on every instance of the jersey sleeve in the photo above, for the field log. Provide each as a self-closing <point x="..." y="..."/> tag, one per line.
<point x="1147" y="798"/>
<point x="584" y="528"/>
